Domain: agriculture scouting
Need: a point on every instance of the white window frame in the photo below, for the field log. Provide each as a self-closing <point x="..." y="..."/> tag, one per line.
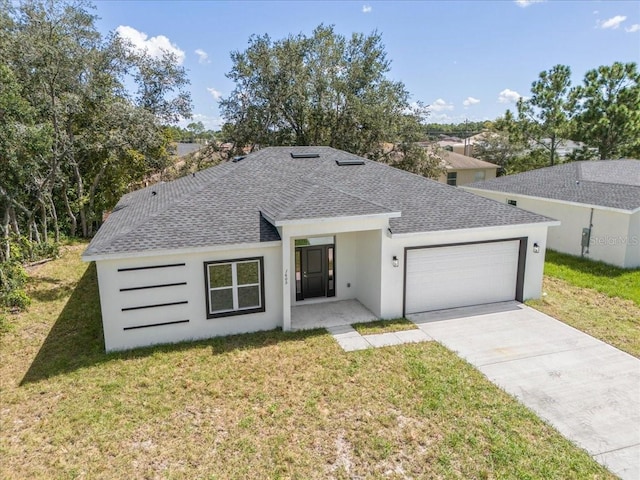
<point x="236" y="310"/>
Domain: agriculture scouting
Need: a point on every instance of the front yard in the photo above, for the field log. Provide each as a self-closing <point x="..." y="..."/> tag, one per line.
<point x="594" y="297"/>
<point x="267" y="405"/>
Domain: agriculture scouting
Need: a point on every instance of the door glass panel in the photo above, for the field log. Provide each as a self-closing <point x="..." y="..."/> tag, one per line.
<point x="330" y="264"/>
<point x="247" y="273"/>
<point x="314" y="261"/>
<point x="298" y="274"/>
<point x="221" y="299"/>
<point x="320" y="241"/>
<point x="220" y="275"/>
<point x="248" y="296"/>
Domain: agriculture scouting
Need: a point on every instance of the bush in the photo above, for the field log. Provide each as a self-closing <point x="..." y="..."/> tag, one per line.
<point x="13" y="278"/>
<point x="17" y="299"/>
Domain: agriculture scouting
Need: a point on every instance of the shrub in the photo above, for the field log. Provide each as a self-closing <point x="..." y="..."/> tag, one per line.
<point x="17" y="299"/>
<point x="13" y="278"/>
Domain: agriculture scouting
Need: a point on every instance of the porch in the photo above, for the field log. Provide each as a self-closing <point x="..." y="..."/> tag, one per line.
<point x="329" y="314"/>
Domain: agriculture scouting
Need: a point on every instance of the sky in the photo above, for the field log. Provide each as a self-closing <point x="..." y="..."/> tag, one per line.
<point x="466" y="59"/>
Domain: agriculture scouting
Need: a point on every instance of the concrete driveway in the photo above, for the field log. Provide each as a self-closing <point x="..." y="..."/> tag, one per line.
<point x="587" y="389"/>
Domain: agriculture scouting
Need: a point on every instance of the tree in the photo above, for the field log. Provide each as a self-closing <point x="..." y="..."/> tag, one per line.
<point x="72" y="137"/>
<point x="608" y="110"/>
<point x="543" y="119"/>
<point x="323" y="89"/>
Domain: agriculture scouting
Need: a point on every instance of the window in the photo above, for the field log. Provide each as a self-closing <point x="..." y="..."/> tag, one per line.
<point x="512" y="202"/>
<point x="452" y="178"/>
<point x="480" y="175"/>
<point x="234" y="287"/>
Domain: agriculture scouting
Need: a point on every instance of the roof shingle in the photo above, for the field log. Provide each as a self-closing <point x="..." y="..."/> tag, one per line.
<point x="222" y="205"/>
<point x="606" y="183"/>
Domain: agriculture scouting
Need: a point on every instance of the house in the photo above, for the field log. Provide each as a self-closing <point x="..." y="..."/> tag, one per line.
<point x="597" y="203"/>
<point x="462" y="170"/>
<point x="239" y="247"/>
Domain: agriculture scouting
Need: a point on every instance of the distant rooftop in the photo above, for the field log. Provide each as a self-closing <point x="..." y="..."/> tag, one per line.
<point x="607" y="183"/>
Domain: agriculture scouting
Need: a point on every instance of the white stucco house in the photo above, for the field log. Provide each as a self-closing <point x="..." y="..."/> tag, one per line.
<point x="597" y="203"/>
<point x="237" y="247"/>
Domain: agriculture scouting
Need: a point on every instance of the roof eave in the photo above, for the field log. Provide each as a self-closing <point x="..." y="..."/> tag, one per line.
<point x="492" y="228"/>
<point x="177" y="251"/>
<point x="346" y="218"/>
<point x="548" y="199"/>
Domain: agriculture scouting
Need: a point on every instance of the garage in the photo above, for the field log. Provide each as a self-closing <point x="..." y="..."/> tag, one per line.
<point x="450" y="276"/>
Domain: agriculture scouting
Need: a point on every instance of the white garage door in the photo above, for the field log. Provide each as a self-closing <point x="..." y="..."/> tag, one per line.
<point x="458" y="276"/>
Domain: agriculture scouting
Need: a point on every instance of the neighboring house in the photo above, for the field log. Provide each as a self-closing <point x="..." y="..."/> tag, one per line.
<point x="235" y="248"/>
<point x="597" y="203"/>
<point x="461" y="169"/>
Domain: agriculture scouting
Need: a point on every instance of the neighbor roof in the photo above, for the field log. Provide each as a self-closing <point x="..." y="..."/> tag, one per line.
<point x="606" y="183"/>
<point x="457" y="161"/>
<point x="230" y="203"/>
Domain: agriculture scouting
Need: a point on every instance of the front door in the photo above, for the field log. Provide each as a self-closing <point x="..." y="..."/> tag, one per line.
<point x="315" y="271"/>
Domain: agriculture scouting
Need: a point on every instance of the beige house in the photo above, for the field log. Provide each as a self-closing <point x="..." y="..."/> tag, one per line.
<point x="462" y="170"/>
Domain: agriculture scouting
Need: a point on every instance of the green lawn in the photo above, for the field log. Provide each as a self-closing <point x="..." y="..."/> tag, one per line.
<point x="266" y="405"/>
<point x="384" y="326"/>
<point x="607" y="279"/>
<point x="599" y="299"/>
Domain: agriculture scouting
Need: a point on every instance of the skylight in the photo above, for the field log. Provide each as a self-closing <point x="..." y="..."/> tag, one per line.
<point x="350" y="161"/>
<point x="305" y="155"/>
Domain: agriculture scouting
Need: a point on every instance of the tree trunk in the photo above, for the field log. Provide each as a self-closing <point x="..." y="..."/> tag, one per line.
<point x="14" y="221"/>
<point x="54" y="215"/>
<point x="43" y="212"/>
<point x="6" y="251"/>
<point x="72" y="217"/>
<point x="80" y="193"/>
<point x="92" y="193"/>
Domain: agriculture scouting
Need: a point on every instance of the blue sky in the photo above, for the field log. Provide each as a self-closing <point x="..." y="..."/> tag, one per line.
<point x="467" y="59"/>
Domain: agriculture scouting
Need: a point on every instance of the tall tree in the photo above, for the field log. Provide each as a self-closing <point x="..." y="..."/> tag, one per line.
<point x="323" y="89"/>
<point x="543" y="119"/>
<point x="73" y="137"/>
<point x="608" y="110"/>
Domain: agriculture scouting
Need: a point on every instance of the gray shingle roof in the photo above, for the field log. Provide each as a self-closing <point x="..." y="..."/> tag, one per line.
<point x="222" y="205"/>
<point x="607" y="183"/>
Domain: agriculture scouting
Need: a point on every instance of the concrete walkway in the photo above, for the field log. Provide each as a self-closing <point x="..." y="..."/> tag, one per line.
<point x="350" y="340"/>
<point x="587" y="389"/>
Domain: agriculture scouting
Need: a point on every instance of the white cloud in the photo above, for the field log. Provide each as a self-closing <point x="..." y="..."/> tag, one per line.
<point x="613" y="22"/>
<point x="203" y="57"/>
<point x="633" y="28"/>
<point x="154" y="46"/>
<point x="209" y="122"/>
<point x="470" y="101"/>
<point x="367" y="8"/>
<point x="527" y="3"/>
<point x="508" y="96"/>
<point x="214" y="93"/>
<point x="440" y="105"/>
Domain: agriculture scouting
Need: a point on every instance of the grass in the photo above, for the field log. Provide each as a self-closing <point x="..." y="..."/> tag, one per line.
<point x="599" y="276"/>
<point x="265" y="405"/>
<point x="613" y="320"/>
<point x="596" y="298"/>
<point x="384" y="326"/>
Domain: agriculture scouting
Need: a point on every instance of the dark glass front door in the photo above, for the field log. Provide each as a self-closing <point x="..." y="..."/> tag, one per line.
<point x="315" y="271"/>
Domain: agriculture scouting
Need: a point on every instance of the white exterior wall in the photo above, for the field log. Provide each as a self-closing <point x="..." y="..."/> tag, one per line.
<point x="369" y="257"/>
<point x="632" y="259"/>
<point x="392" y="297"/>
<point x="612" y="237"/>
<point x="113" y="300"/>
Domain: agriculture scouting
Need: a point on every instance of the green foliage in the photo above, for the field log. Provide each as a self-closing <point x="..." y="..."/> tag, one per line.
<point x="543" y="119"/>
<point x="72" y="138"/>
<point x="13" y="278"/>
<point x="608" y="110"/>
<point x="323" y="89"/>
